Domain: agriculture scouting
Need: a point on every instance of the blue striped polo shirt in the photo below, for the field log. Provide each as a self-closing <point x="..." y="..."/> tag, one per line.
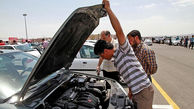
<point x="130" y="68"/>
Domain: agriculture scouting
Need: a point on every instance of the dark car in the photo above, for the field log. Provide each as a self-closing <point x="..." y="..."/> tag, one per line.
<point x="47" y="83"/>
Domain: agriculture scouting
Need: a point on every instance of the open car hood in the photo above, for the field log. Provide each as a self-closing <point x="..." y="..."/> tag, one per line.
<point x="66" y="43"/>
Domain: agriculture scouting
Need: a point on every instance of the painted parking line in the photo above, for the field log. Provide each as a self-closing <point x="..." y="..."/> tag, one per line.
<point x="162" y="107"/>
<point x="165" y="95"/>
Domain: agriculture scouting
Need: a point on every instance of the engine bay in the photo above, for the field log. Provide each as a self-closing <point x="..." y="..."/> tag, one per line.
<point x="83" y="92"/>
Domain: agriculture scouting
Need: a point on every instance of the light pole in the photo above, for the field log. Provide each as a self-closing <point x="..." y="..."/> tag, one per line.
<point x="25" y="26"/>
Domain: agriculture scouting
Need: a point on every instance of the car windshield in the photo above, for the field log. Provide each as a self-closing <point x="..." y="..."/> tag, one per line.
<point x="87" y="52"/>
<point x="173" y="39"/>
<point x="25" y="47"/>
<point x="15" y="67"/>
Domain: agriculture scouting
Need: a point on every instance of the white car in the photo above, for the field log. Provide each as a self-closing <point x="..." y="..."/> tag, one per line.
<point x="22" y="47"/>
<point x="176" y="42"/>
<point x="85" y="60"/>
<point x="148" y="42"/>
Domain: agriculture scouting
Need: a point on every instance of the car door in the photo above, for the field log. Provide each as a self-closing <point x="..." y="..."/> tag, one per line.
<point x="76" y="64"/>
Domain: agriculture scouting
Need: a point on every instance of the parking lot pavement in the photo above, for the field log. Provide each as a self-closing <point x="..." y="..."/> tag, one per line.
<point x="175" y="74"/>
<point x="162" y="107"/>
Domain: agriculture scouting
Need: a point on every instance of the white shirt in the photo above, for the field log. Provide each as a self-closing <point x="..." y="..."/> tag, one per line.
<point x="108" y="65"/>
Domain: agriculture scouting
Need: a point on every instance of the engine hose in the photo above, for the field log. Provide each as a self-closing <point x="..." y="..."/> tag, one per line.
<point x="96" y="92"/>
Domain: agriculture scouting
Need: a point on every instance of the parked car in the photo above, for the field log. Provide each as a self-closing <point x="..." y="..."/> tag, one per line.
<point x="85" y="60"/>
<point x="175" y="41"/>
<point x="156" y="40"/>
<point x="148" y="42"/>
<point x="23" y="47"/>
<point x="36" y="46"/>
<point x="47" y="82"/>
<point x="166" y="41"/>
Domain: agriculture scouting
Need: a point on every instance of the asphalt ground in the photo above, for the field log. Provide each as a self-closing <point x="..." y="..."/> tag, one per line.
<point x="175" y="75"/>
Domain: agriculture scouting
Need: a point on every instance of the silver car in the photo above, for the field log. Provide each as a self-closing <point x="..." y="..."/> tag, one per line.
<point x="148" y="42"/>
<point x="22" y="47"/>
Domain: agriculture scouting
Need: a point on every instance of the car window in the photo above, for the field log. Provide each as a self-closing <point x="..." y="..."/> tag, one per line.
<point x="14" y="70"/>
<point x="8" y="47"/>
<point x="25" y="47"/>
<point x="1" y="47"/>
<point x="87" y="52"/>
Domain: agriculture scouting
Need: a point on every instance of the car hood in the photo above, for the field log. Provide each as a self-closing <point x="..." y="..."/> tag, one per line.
<point x="66" y="43"/>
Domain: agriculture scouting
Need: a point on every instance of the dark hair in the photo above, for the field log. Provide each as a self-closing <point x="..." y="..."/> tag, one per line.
<point x="134" y="33"/>
<point x="107" y="33"/>
<point x="101" y="45"/>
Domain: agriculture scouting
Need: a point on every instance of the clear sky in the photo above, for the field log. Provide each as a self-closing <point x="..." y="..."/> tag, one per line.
<point x="44" y="17"/>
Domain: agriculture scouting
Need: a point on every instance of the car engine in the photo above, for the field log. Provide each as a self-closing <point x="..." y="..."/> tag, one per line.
<point x="82" y="92"/>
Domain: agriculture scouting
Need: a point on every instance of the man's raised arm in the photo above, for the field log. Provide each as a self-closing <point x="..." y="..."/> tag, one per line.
<point x="115" y="23"/>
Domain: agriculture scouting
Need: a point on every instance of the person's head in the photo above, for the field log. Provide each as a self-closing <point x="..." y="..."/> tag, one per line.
<point x="104" y="49"/>
<point x="43" y="40"/>
<point x="105" y="35"/>
<point x="134" y="38"/>
<point x="1" y="41"/>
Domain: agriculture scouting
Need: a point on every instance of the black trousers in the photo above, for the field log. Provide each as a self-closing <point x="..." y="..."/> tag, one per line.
<point x="112" y="75"/>
<point x="150" y="78"/>
<point x="191" y="45"/>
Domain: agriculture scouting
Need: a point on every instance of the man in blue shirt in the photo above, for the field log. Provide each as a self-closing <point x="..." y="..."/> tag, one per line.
<point x="191" y="42"/>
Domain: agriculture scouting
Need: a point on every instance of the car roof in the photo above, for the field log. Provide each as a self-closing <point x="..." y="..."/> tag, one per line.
<point x="7" y="45"/>
<point x="89" y="44"/>
<point x="92" y="41"/>
<point x="14" y="45"/>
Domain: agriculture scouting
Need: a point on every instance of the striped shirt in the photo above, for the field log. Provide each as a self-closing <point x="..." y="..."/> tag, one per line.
<point x="146" y="57"/>
<point x="130" y="68"/>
